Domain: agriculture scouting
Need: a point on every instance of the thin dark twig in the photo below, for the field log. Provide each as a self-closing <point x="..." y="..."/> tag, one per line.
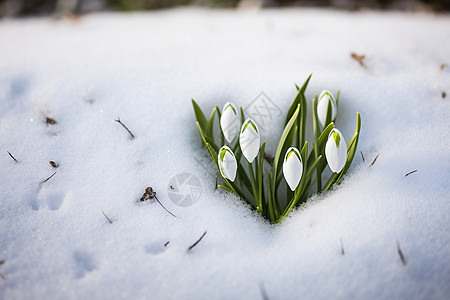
<point x="411" y="173"/>
<point x="263" y="291"/>
<point x="400" y="253"/>
<point x="362" y="156"/>
<point x="217" y="177"/>
<point x="110" y="222"/>
<point x="374" y="160"/>
<point x="342" y="248"/>
<point x="167" y="243"/>
<point x="48" y="178"/>
<point x="164" y="207"/>
<point x="120" y="122"/>
<point x="198" y="241"/>
<point x="13" y="157"/>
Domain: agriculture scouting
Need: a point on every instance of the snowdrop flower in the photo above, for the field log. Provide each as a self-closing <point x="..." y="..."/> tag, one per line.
<point x="249" y="140"/>
<point x="229" y="121"/>
<point x="227" y="163"/>
<point x="325" y="98"/>
<point x="336" y="151"/>
<point x="292" y="167"/>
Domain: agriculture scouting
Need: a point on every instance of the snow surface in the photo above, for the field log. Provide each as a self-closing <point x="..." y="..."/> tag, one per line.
<point x="145" y="68"/>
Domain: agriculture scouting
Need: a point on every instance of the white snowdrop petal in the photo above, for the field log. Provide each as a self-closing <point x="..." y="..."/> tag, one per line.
<point x="322" y="106"/>
<point x="336" y="151"/>
<point x="229" y="121"/>
<point x="292" y="167"/>
<point x="227" y="163"/>
<point x="249" y="140"/>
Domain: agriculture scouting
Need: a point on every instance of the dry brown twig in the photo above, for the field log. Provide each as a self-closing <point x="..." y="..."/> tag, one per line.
<point x="400" y="253"/>
<point x="110" y="222"/>
<point x="376" y="157"/>
<point x="12" y="157"/>
<point x="150" y="194"/>
<point x="409" y="173"/>
<point x="358" y="58"/>
<point x="123" y="125"/>
<point x="198" y="241"/>
<point x="44" y="181"/>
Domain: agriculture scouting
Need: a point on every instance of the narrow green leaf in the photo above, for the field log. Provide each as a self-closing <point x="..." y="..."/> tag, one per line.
<point x="317" y="149"/>
<point x="323" y="138"/>
<point x="226" y="188"/>
<point x="282" y="143"/>
<point x="201" y="119"/>
<point x="210" y="125"/>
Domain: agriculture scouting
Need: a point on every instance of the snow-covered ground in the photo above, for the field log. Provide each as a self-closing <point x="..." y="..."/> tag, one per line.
<point x="144" y="69"/>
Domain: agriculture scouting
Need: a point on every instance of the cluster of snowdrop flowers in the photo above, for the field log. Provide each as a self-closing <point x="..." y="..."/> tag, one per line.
<point x="260" y="184"/>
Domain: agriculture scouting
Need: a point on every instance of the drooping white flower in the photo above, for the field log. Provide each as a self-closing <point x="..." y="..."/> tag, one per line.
<point x="249" y="140"/>
<point x="292" y="167"/>
<point x="227" y="163"/>
<point x="229" y="121"/>
<point x="325" y="98"/>
<point x="336" y="151"/>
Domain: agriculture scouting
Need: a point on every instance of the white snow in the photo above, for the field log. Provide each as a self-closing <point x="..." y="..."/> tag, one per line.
<point x="144" y="69"/>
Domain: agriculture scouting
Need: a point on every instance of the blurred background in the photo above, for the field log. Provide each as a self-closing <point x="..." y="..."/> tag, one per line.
<point x="21" y="8"/>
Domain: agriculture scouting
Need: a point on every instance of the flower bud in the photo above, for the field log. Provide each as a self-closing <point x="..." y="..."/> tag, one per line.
<point x="249" y="140"/>
<point x="336" y="151"/>
<point x="325" y="98"/>
<point x="229" y="121"/>
<point x="292" y="168"/>
<point x="227" y="163"/>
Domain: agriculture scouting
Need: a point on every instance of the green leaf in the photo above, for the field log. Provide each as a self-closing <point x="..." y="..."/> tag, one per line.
<point x="222" y="137"/>
<point x="201" y="119"/>
<point x="317" y="149"/>
<point x="210" y="124"/>
<point x="323" y="138"/>
<point x="226" y="188"/>
<point x="297" y="100"/>
<point x="337" y="98"/>
<point x="206" y="139"/>
<point x="282" y="144"/>
<point x="329" y="114"/>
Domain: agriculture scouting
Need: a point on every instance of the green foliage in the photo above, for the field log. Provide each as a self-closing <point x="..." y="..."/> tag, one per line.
<point x="258" y="184"/>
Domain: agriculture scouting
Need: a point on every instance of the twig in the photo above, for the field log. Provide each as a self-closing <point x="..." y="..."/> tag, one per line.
<point x="342" y="248"/>
<point x="217" y="177"/>
<point x="150" y="194"/>
<point x="12" y="157"/>
<point x="120" y="122"/>
<point x="400" y="253"/>
<point x="362" y="156"/>
<point x="374" y="160"/>
<point x="198" y="241"/>
<point x="410" y="173"/>
<point x="42" y="182"/>
<point x="358" y="58"/>
<point x="263" y="291"/>
<point x="110" y="222"/>
<point x="164" y="207"/>
<point x="167" y="243"/>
